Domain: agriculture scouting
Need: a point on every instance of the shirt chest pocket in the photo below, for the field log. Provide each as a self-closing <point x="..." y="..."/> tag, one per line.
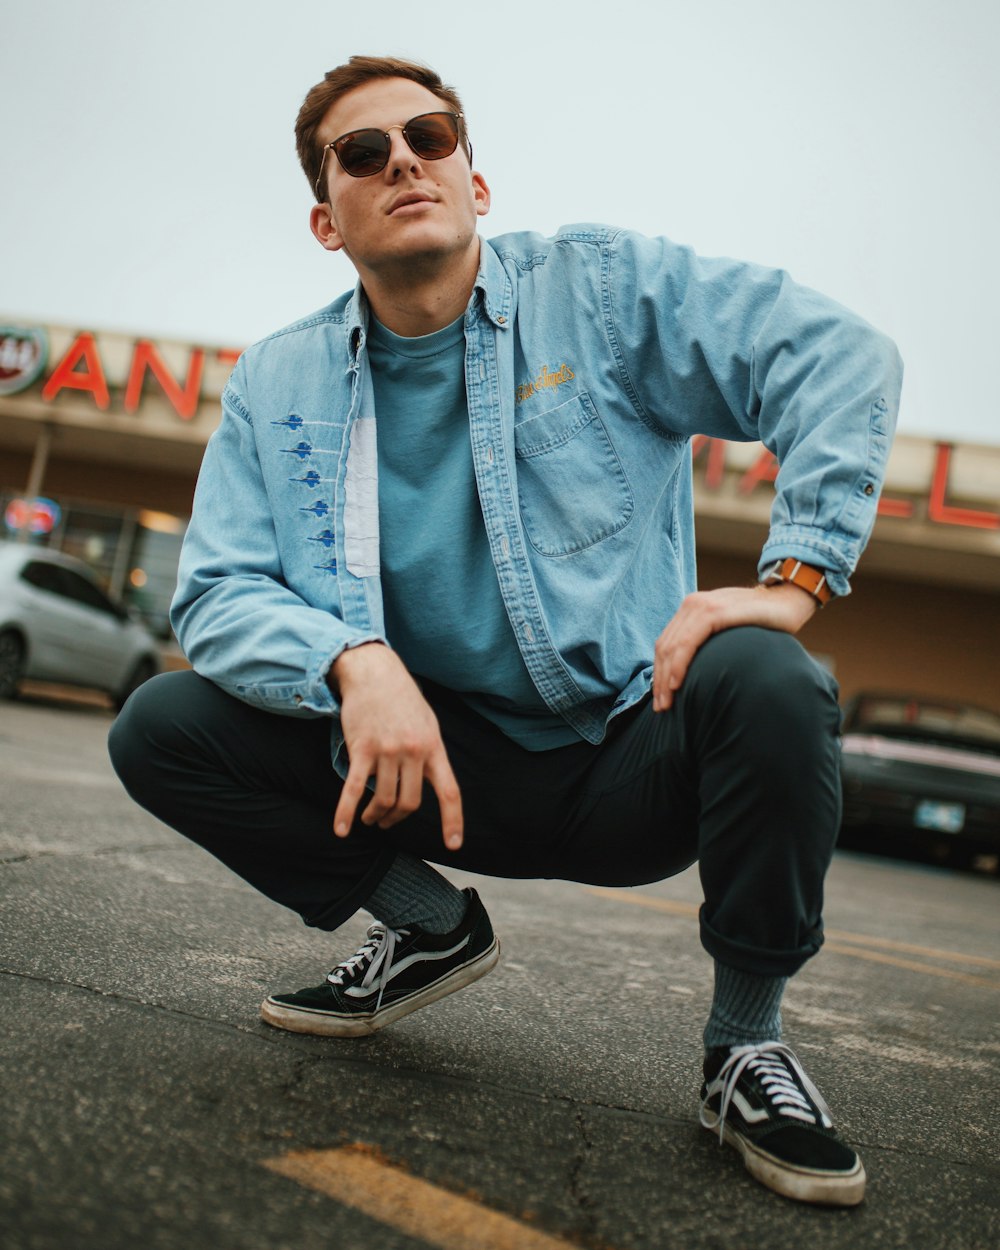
<point x="571" y="486"/>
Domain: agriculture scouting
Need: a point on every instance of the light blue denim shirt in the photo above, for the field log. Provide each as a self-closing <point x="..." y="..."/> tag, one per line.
<point x="591" y="359"/>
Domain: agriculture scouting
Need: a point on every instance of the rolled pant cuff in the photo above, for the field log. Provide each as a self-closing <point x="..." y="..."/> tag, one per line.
<point x="759" y="961"/>
<point x="333" y="915"/>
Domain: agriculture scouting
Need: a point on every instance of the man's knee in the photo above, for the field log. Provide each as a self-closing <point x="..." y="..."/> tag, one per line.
<point x="140" y="727"/>
<point x="764" y="677"/>
<point x="763" y="662"/>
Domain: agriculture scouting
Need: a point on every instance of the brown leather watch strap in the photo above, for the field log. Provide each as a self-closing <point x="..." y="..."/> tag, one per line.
<point x="805" y="576"/>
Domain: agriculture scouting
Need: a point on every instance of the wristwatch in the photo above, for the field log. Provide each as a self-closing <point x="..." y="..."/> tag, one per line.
<point x="805" y="576"/>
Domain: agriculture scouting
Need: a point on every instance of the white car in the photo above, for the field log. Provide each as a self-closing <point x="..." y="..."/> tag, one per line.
<point x="57" y="624"/>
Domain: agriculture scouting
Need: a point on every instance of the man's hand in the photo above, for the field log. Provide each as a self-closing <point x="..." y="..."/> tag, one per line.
<point x="391" y="734"/>
<point x="784" y="607"/>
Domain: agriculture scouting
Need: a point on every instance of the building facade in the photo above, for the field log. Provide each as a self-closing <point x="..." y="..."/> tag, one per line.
<point x="101" y="436"/>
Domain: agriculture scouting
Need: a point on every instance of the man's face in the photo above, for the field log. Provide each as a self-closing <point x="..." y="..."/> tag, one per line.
<point x="414" y="212"/>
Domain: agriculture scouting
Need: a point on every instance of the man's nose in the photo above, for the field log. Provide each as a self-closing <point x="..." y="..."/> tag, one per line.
<point x="401" y="155"/>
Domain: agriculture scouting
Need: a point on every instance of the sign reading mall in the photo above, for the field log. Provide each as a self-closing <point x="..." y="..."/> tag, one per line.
<point x="118" y="372"/>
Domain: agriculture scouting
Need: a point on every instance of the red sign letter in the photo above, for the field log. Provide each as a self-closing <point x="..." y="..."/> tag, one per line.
<point x="938" y="510"/>
<point x="763" y="469"/>
<point x="716" y="464"/>
<point x="887" y="506"/>
<point x="64" y="375"/>
<point x="184" y="400"/>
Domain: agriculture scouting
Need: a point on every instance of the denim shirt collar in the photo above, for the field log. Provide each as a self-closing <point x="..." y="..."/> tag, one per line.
<point x="492" y="287"/>
<point x="496" y="292"/>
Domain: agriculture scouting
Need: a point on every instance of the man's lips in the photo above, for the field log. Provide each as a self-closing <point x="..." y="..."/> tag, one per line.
<point x="406" y="201"/>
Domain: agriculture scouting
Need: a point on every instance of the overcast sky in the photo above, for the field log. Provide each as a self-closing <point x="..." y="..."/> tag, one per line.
<point x="149" y="180"/>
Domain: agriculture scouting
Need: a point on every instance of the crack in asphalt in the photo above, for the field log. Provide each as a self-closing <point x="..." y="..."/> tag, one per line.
<point x="301" y="1064"/>
<point x="129" y="999"/>
<point x="30" y="856"/>
<point x="581" y="1198"/>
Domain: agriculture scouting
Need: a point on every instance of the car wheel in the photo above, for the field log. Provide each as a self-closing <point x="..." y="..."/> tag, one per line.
<point x="12" y="659"/>
<point x="141" y="673"/>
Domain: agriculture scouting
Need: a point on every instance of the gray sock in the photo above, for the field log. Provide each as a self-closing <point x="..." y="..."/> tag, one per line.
<point x="413" y="893"/>
<point x="745" y="1008"/>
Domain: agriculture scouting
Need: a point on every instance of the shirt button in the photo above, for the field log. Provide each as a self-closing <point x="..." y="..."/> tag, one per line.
<point x="502" y="320"/>
<point x="869" y="489"/>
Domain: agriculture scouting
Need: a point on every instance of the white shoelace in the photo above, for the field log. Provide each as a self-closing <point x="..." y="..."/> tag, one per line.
<point x="377" y="950"/>
<point x="786" y="1099"/>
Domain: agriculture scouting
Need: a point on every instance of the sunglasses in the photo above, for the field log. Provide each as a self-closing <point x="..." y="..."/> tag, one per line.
<point x="361" y="153"/>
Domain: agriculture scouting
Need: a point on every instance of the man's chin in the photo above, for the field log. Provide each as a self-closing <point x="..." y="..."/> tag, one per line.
<point x="428" y="252"/>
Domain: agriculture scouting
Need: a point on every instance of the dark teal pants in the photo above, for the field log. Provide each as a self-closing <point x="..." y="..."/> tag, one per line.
<point x="742" y="774"/>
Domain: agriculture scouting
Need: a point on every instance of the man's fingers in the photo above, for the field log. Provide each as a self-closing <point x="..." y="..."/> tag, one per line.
<point x="409" y="794"/>
<point x="350" y="796"/>
<point x="449" y="798"/>
<point x="386" y="794"/>
<point x="675" y="649"/>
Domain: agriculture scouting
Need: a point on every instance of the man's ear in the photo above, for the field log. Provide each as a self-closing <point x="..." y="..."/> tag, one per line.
<point x="482" y="193"/>
<point x="323" y="226"/>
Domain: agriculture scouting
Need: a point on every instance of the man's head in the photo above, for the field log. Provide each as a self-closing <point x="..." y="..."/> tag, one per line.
<point x="395" y="188"/>
<point x="336" y="83"/>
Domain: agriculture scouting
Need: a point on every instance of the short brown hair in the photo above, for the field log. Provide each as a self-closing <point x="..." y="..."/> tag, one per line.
<point x="337" y="82"/>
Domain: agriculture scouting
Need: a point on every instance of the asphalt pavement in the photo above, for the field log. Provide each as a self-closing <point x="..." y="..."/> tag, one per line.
<point x="552" y="1104"/>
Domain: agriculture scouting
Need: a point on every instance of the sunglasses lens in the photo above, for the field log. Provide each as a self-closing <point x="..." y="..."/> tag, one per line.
<point x="433" y="136"/>
<point x="362" y="153"/>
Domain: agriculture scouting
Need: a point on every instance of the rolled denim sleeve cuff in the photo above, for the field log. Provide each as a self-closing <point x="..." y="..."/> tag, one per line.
<point x="815" y="547"/>
<point x="320" y="697"/>
<point x="308" y="697"/>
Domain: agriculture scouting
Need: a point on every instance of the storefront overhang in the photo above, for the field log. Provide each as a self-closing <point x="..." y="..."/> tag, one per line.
<point x="116" y="399"/>
<point x="938" y="519"/>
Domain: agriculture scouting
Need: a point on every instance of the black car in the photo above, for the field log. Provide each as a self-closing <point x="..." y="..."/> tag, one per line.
<point x="922" y="775"/>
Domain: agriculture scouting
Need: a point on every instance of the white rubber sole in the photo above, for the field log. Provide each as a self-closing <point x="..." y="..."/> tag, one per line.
<point x="832" y="1189"/>
<point x="328" y="1024"/>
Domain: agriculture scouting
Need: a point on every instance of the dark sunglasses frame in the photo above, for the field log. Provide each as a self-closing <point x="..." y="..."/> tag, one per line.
<point x="456" y="120"/>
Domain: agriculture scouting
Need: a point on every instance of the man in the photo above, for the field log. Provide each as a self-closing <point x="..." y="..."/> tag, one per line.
<point x="449" y="518"/>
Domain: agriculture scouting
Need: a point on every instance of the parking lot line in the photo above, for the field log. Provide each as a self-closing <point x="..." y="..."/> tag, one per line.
<point x="673" y="907"/>
<point x="907" y="948"/>
<point x="358" y="1177"/>
<point x="858" y="945"/>
<point x="931" y="970"/>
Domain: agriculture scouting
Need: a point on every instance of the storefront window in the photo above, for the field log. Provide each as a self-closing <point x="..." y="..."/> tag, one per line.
<point x="152" y="573"/>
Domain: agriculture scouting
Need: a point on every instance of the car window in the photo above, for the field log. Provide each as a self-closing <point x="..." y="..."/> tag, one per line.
<point x="82" y="591"/>
<point x="914" y="718"/>
<point x="43" y="576"/>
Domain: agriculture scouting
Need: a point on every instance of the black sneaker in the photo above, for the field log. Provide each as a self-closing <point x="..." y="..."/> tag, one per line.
<point x="759" y="1100"/>
<point x="393" y="973"/>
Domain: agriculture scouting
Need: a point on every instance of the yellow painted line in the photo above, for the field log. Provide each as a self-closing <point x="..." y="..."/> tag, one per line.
<point x="672" y="906"/>
<point x="907" y="948"/>
<point x="878" y="957"/>
<point x="869" y="948"/>
<point x="357" y="1177"/>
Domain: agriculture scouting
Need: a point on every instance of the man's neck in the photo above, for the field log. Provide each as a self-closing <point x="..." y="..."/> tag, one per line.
<point x="413" y="303"/>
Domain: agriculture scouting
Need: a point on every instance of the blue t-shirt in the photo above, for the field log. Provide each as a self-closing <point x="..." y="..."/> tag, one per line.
<point x="444" y="614"/>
